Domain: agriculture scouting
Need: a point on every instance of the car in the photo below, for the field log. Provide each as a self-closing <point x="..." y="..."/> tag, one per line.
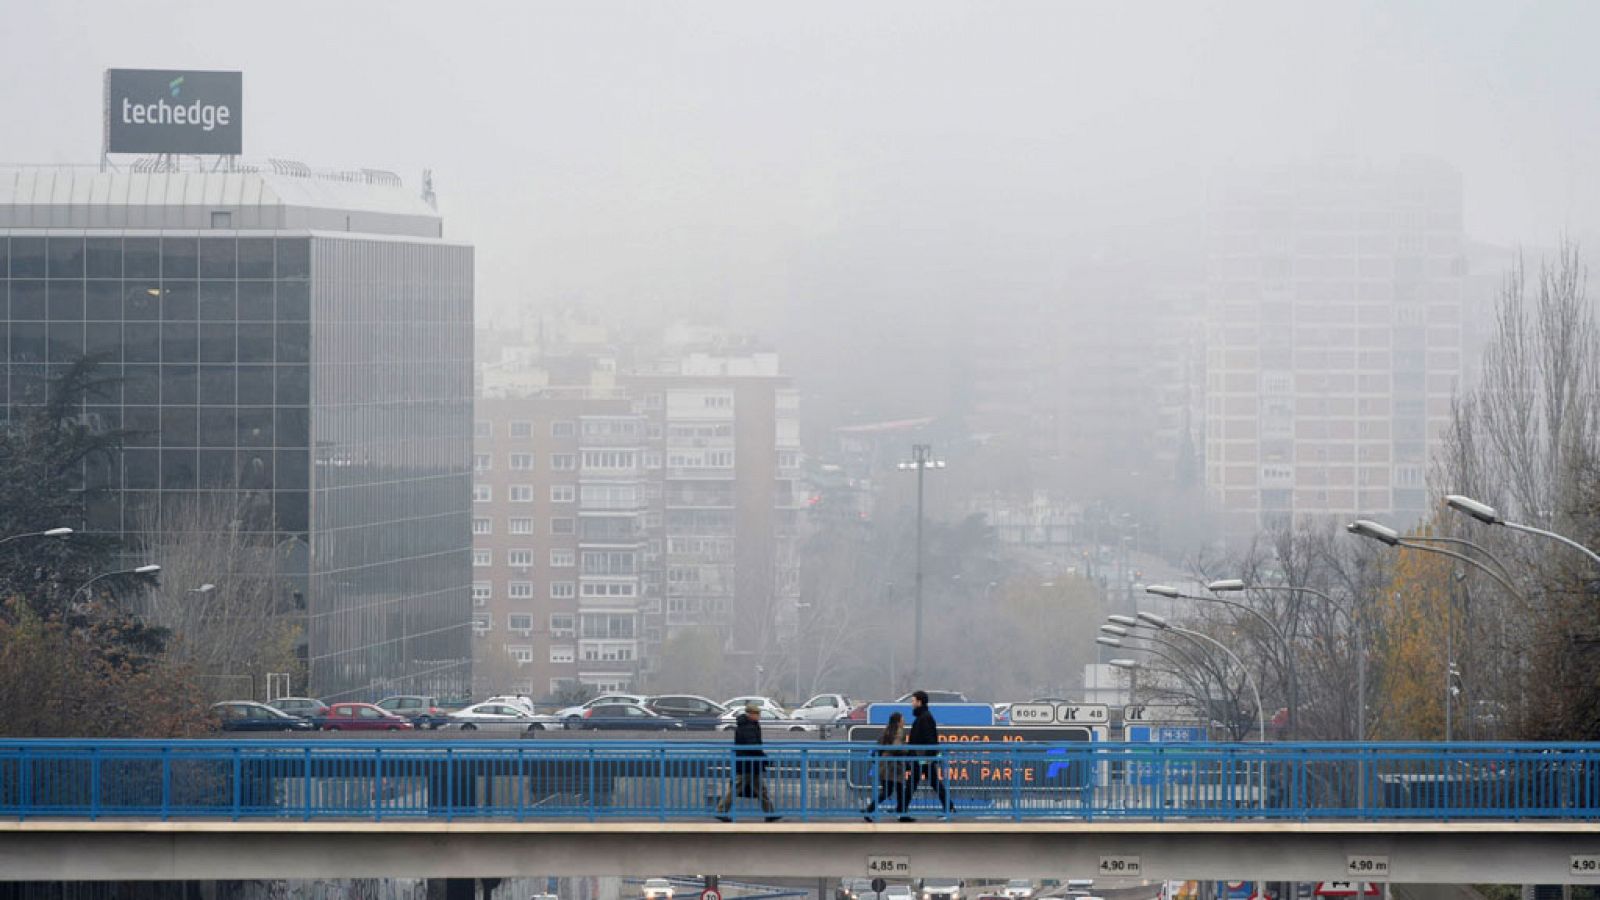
<point x="695" y="712"/>
<point x="1018" y="888"/>
<point x="248" y="715"/>
<point x="363" y="717"/>
<point x="941" y="889"/>
<point x="896" y="892"/>
<point x="657" y="889"/>
<point x="491" y="716"/>
<point x="938" y="697"/>
<point x="304" y="707"/>
<point x="626" y="717"/>
<point x="1079" y="884"/>
<point x="571" y="714"/>
<point x="730" y="721"/>
<point x="824" y="709"/>
<point x="769" y="706"/>
<point x="853" y="888"/>
<point x="424" y="712"/>
<point x="521" y="701"/>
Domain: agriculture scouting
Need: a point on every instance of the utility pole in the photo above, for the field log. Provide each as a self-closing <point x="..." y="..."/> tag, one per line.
<point x="921" y="460"/>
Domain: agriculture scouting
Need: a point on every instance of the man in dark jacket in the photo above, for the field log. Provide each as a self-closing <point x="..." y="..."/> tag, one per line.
<point x="750" y="764"/>
<point x="924" y="733"/>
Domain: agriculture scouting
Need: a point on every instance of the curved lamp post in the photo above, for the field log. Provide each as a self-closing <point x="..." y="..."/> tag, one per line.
<point x="1488" y="515"/>
<point x="141" y="570"/>
<point x="1161" y="623"/>
<point x="1172" y="593"/>
<point x="48" y="532"/>
<point x="1178" y="667"/>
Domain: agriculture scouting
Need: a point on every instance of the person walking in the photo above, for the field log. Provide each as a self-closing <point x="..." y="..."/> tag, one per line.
<point x="891" y="771"/>
<point x="924" y="733"/>
<point x="750" y="763"/>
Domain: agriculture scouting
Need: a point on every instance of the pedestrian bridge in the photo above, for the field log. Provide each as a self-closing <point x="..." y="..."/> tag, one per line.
<point x="351" y="808"/>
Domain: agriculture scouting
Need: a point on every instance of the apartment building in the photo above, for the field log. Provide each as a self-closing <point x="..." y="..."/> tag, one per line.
<point x="611" y="512"/>
<point x="1333" y="341"/>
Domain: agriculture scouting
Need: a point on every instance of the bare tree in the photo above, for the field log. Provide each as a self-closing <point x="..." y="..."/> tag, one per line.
<point x="220" y="597"/>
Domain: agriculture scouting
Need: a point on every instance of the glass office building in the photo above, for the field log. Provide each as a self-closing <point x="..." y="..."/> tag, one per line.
<point x="296" y="348"/>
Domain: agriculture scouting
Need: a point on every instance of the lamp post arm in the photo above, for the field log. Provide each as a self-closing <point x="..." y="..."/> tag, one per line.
<point x="1463" y="542"/>
<point x="1286" y="667"/>
<point x="1477" y="564"/>
<point x="1261" y="715"/>
<point x="1553" y="536"/>
<point x="1179" y="669"/>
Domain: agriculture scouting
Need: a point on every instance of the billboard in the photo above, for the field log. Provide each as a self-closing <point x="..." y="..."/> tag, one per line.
<point x="1050" y="769"/>
<point x="172" y="111"/>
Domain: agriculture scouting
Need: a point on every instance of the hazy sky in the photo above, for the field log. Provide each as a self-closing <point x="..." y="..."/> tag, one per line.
<point x="700" y="154"/>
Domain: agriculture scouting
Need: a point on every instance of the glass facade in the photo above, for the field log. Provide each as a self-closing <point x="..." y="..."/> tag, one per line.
<point x="320" y="385"/>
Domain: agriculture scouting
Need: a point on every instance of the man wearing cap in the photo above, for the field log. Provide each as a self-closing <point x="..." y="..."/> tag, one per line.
<point x="750" y="764"/>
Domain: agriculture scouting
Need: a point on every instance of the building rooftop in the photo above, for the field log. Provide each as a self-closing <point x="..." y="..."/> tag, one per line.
<point x="277" y="196"/>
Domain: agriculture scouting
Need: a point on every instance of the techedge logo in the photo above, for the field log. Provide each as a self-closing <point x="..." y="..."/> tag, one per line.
<point x="209" y="116"/>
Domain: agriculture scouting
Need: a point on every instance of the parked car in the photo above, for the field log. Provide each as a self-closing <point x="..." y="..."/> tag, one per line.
<point x="572" y="714"/>
<point x="626" y="717"/>
<point x="492" y="716"/>
<point x="657" y="889"/>
<point x="769" y="721"/>
<point x="304" y="707"/>
<point x="769" y="706"/>
<point x="938" y="697"/>
<point x="521" y="701"/>
<point x="823" y="709"/>
<point x="424" y="712"/>
<point x="697" y="713"/>
<point x="247" y="715"/>
<point x="363" y="717"/>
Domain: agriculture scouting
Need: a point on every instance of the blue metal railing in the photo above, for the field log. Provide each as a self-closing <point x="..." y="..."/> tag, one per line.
<point x="528" y="780"/>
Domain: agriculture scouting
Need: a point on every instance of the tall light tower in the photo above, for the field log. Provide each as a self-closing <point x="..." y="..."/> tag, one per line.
<point x="921" y="460"/>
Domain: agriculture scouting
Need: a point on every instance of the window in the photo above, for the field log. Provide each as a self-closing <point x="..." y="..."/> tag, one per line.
<point x="563" y="462"/>
<point x="482" y="493"/>
<point x="563" y="493"/>
<point x="652" y="459"/>
<point x="563" y="525"/>
<point x="562" y="653"/>
<point x="482" y="623"/>
<point x="562" y="558"/>
<point x="521" y="429"/>
<point x="482" y="429"/>
<point x="607" y="625"/>
<point x="563" y="624"/>
<point x="222" y="218"/>
<point x="481" y="462"/>
<point x="521" y="526"/>
<point x="562" y="429"/>
<point x="719" y="401"/>
<point x="519" y="558"/>
<point x="520" y="622"/>
<point x="609" y="589"/>
<point x="482" y="592"/>
<point x="520" y="590"/>
<point x="521" y="462"/>
<point x="609" y="459"/>
<point x="482" y="525"/>
<point x="481" y="558"/>
<point x="607" y="652"/>
<point x="522" y="493"/>
<point x="522" y="653"/>
<point x="562" y="590"/>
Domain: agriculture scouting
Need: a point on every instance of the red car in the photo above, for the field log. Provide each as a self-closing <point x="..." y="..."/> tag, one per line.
<point x="362" y="717"/>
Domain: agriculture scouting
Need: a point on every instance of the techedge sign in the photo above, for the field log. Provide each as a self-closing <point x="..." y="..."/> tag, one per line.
<point x="168" y="111"/>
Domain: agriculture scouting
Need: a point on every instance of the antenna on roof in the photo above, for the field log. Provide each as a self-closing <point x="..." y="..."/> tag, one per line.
<point x="428" y="196"/>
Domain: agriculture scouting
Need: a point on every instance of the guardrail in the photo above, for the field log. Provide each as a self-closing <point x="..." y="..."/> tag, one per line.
<point x="662" y="780"/>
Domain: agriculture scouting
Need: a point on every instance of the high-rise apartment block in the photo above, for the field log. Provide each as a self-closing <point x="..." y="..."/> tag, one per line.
<point x="613" y="510"/>
<point x="1334" y="339"/>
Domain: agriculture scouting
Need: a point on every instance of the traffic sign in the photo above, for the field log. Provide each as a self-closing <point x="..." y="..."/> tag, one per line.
<point x="1125" y="866"/>
<point x="1585" y="864"/>
<point x="1052" y="769"/>
<point x="1033" y="714"/>
<point x="710" y="894"/>
<point x="943" y="713"/>
<point x="1083" y="713"/>
<point x="888" y="865"/>
<point x="1143" y="714"/>
<point x="1369" y="864"/>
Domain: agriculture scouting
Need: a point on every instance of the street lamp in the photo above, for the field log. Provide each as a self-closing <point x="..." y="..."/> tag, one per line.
<point x="206" y="588"/>
<point x="1114" y="630"/>
<point x="1488" y="515"/>
<point x="150" y="569"/>
<point x="1184" y="661"/>
<point x="1161" y="623"/>
<point x="48" y="532"/>
<point x="1172" y="593"/>
<point x="1383" y="534"/>
<point x="921" y="460"/>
